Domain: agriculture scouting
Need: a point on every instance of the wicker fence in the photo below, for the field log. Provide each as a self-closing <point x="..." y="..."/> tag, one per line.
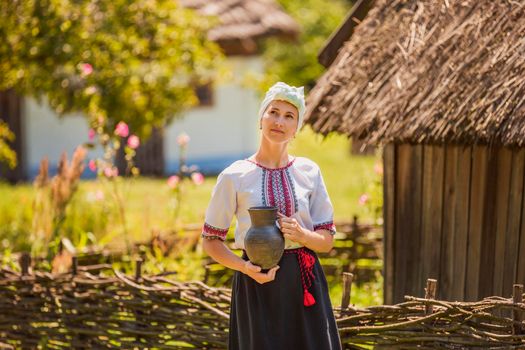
<point x="83" y="309"/>
<point x="426" y="323"/>
<point x="86" y="309"/>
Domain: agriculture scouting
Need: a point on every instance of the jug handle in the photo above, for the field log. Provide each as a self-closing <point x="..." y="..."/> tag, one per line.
<point x="277" y="224"/>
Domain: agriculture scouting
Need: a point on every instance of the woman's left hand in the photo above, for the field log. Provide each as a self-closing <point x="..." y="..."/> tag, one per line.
<point x="291" y="229"/>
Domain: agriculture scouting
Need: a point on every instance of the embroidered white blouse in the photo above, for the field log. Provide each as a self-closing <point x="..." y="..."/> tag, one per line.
<point x="297" y="190"/>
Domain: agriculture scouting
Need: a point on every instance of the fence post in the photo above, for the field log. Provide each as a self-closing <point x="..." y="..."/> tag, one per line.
<point x="430" y="293"/>
<point x="138" y="269"/>
<point x="347" y="289"/>
<point x="74" y="265"/>
<point x="355" y="226"/>
<point x="517" y="317"/>
<point x="25" y="262"/>
<point x="206" y="274"/>
<point x="352" y="264"/>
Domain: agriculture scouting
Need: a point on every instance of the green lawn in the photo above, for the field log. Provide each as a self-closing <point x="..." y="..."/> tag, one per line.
<point x="346" y="176"/>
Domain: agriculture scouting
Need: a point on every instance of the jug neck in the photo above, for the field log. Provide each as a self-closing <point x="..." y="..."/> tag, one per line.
<point x="263" y="216"/>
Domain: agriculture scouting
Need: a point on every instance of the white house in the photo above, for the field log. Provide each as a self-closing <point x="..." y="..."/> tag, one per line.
<point x="222" y="129"/>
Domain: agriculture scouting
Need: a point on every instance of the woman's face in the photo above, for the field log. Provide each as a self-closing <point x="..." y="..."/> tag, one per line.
<point x="279" y="121"/>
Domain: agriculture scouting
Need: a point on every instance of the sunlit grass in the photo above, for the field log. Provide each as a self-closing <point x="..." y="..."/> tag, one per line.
<point x="346" y="176"/>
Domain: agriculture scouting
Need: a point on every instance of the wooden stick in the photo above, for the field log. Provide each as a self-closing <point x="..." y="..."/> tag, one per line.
<point x="347" y="288"/>
<point x="74" y="265"/>
<point x="355" y="225"/>
<point x="25" y="262"/>
<point x="138" y="269"/>
<point x="517" y="297"/>
<point x="430" y="293"/>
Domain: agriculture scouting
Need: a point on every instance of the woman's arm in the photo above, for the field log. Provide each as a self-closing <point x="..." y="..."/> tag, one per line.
<point x="224" y="256"/>
<point x="320" y="240"/>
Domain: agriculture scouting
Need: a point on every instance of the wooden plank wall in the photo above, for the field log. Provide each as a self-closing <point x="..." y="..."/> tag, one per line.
<point x="11" y="114"/>
<point x="407" y="219"/>
<point x="389" y="171"/>
<point x="454" y="213"/>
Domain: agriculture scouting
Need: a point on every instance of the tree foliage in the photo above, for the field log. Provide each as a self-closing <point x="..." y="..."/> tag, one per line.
<point x="7" y="155"/>
<point x="296" y="63"/>
<point x="135" y="61"/>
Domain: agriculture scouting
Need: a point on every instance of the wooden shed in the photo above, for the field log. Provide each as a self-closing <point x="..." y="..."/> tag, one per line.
<point x="440" y="85"/>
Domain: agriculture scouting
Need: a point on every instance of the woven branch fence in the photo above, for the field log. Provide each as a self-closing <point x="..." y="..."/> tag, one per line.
<point x="426" y="323"/>
<point x="83" y="310"/>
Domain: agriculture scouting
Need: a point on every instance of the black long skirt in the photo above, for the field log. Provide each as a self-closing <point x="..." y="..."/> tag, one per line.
<point x="272" y="316"/>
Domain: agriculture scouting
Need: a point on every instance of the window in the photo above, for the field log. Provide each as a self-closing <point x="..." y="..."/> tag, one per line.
<point x="204" y="94"/>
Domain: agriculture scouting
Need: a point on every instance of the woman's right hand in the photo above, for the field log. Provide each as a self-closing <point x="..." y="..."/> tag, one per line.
<point x="254" y="272"/>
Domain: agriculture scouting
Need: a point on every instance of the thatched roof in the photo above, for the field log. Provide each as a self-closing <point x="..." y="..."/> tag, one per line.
<point x="428" y="72"/>
<point x="356" y="15"/>
<point x="243" y="22"/>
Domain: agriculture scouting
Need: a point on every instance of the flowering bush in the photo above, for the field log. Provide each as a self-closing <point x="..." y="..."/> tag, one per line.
<point x="176" y="182"/>
<point x="105" y="168"/>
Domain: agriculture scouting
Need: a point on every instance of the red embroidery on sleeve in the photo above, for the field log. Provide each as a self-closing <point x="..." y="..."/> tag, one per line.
<point x="209" y="231"/>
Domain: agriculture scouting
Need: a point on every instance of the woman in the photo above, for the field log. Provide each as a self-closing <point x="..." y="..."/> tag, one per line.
<point x="287" y="307"/>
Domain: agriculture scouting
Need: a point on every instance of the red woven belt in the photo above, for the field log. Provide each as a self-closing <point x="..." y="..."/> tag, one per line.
<point x="306" y="265"/>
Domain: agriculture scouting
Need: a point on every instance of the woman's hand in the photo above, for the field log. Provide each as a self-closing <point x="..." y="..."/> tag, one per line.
<point x="254" y="272"/>
<point x="319" y="241"/>
<point x="292" y="230"/>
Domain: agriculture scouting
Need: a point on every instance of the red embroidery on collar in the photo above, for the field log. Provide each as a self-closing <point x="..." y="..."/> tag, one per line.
<point x="272" y="169"/>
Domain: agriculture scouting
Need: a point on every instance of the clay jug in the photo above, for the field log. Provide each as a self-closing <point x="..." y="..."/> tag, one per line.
<point x="264" y="242"/>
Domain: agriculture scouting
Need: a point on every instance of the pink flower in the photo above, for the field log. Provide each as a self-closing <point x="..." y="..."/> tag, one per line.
<point x="378" y="169"/>
<point x="133" y="141"/>
<point x="91" y="134"/>
<point x="99" y="195"/>
<point x="110" y="172"/>
<point x="92" y="165"/>
<point x="173" y="181"/>
<point x="183" y="139"/>
<point x="363" y="199"/>
<point x="122" y="129"/>
<point x="197" y="178"/>
<point x="87" y="69"/>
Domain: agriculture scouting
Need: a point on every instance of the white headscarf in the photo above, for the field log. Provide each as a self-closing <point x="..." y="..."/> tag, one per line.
<point x="284" y="92"/>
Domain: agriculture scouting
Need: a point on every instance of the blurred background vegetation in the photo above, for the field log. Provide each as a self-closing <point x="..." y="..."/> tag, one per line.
<point x="297" y="63"/>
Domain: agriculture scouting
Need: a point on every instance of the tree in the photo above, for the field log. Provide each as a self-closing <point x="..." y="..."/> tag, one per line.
<point x="133" y="61"/>
<point x="7" y="155"/>
<point x="296" y="63"/>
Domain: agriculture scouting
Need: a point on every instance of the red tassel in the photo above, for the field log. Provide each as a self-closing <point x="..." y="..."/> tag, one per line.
<point x="308" y="299"/>
<point x="310" y="261"/>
